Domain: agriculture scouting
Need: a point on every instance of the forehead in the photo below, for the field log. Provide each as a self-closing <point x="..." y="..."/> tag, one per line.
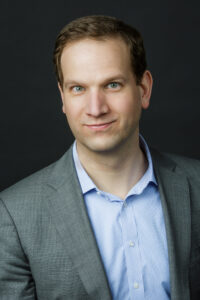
<point x="92" y="58"/>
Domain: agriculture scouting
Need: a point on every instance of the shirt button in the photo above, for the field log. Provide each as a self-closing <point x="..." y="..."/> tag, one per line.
<point x="98" y="193"/>
<point x="136" y="285"/>
<point x="131" y="244"/>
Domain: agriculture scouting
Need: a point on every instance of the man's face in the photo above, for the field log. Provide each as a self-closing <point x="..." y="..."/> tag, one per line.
<point x="100" y="97"/>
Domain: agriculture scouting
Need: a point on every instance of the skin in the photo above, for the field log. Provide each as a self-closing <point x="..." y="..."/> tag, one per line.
<point x="103" y="104"/>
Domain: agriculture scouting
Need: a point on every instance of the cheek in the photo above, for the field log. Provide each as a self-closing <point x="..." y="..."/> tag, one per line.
<point x="71" y="110"/>
<point x="127" y="102"/>
<point x="74" y="116"/>
<point x="127" y="106"/>
<point x="72" y="122"/>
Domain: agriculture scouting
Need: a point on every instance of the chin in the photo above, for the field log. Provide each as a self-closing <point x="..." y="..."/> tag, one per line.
<point x="103" y="146"/>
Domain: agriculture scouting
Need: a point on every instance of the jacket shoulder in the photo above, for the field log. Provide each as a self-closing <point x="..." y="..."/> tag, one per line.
<point x="33" y="186"/>
<point x="28" y="184"/>
<point x="190" y="166"/>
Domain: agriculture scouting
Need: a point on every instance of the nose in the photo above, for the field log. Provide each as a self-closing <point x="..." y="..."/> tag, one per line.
<point x="97" y="104"/>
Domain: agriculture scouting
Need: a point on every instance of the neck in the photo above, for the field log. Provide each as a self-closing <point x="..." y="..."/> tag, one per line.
<point x="115" y="172"/>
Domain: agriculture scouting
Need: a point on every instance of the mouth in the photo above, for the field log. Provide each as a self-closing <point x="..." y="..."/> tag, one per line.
<point x="99" y="127"/>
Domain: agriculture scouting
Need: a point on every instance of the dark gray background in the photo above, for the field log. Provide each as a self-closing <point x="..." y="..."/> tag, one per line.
<point x="33" y="129"/>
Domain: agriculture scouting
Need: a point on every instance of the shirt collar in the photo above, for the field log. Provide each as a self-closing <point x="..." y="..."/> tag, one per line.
<point x="85" y="181"/>
<point x="87" y="184"/>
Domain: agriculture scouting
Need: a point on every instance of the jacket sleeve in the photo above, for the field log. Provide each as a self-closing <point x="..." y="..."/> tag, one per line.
<point x="16" y="281"/>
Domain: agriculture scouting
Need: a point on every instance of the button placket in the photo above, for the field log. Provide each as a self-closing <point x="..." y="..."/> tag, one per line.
<point x="132" y="252"/>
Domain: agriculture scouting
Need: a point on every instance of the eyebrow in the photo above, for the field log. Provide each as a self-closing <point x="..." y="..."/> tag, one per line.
<point x="72" y="82"/>
<point x="106" y="80"/>
<point x="114" y="78"/>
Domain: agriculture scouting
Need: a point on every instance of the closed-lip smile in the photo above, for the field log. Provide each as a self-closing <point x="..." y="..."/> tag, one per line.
<point x="99" y="127"/>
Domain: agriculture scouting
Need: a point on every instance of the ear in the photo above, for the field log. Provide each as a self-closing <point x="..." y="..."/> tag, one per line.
<point x="62" y="97"/>
<point x="145" y="89"/>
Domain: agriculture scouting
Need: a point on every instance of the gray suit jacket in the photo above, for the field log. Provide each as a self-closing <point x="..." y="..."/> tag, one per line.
<point x="47" y="247"/>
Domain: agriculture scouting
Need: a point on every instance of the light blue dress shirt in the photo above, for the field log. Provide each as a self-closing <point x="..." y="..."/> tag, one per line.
<point x="130" y="235"/>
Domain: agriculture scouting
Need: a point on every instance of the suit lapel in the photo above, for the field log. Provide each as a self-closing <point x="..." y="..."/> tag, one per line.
<point x="68" y="211"/>
<point x="175" y="198"/>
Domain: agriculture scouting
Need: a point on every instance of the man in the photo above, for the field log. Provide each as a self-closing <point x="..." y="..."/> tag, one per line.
<point x="111" y="219"/>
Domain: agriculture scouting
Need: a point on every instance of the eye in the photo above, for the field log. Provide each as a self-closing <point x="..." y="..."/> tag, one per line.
<point x="114" y="85"/>
<point x="77" y="89"/>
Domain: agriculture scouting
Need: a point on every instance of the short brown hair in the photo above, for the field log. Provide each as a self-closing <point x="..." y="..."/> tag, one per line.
<point x="100" y="27"/>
